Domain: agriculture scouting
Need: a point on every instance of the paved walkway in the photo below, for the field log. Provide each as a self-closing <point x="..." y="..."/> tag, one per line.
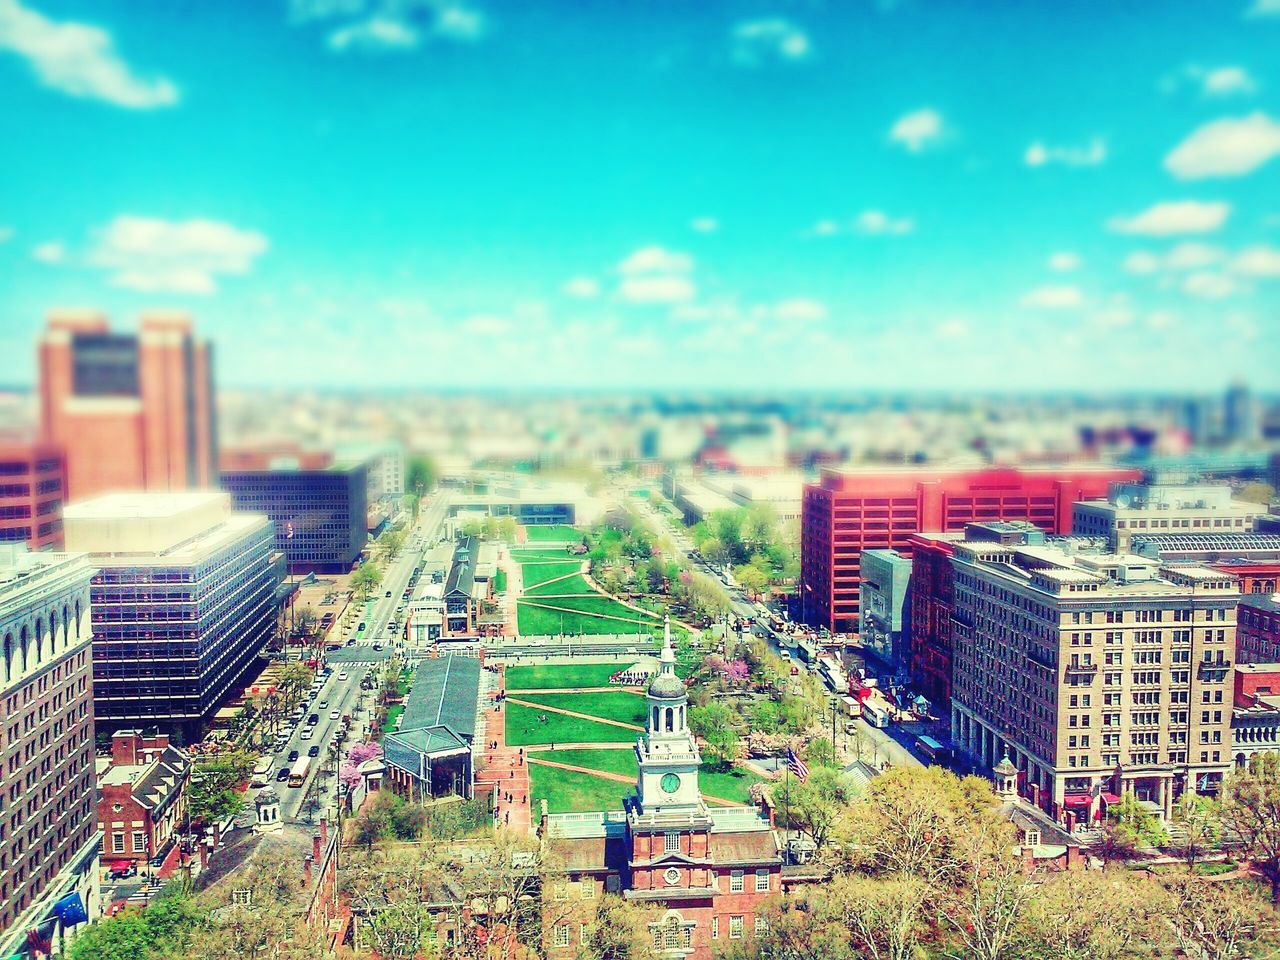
<point x="505" y="772"/>
<point x="574" y="713"/>
<point x="615" y="777"/>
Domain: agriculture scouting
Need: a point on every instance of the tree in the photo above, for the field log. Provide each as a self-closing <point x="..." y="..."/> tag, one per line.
<point x="1200" y="820"/>
<point x="884" y="919"/>
<point x="986" y="906"/>
<point x="1131" y="827"/>
<point x="820" y="752"/>
<point x="1094" y="915"/>
<point x="617" y="931"/>
<point x="1217" y="921"/>
<point x="1251" y="812"/>
<point x="1257" y="492"/>
<point x="391" y="542"/>
<point x="365" y="580"/>
<point x="752" y="579"/>
<point x="814" y="806"/>
<point x="420" y="474"/>
<point x="164" y="929"/>
<point x="304" y="622"/>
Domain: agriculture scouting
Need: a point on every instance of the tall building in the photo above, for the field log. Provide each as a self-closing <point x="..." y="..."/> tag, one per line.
<point x="132" y="411"/>
<point x="703" y="873"/>
<point x="930" y="602"/>
<point x="142" y="798"/>
<point x="48" y="828"/>
<point x="320" y="515"/>
<point x="884" y="630"/>
<point x="32" y="491"/>
<point x="1241" y="422"/>
<point x="1258" y="640"/>
<point x="1141" y="509"/>
<point x="847" y="512"/>
<point x="1096" y="674"/>
<point x="183" y="602"/>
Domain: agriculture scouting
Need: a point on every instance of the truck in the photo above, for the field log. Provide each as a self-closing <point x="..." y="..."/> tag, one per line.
<point x="261" y="773"/>
<point x="876" y="714"/>
<point x="934" y="751"/>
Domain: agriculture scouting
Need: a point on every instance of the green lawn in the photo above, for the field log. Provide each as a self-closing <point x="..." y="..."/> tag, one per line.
<point x="546" y="553"/>
<point x="524" y="728"/>
<point x="551" y="676"/>
<point x="393" y="714"/>
<point x="572" y="584"/>
<point x="612" y="761"/>
<point x="538" y="621"/>
<point x="500" y="581"/>
<point x="598" y="605"/>
<point x="552" y="531"/>
<point x="611" y="705"/>
<point x="534" y="574"/>
<point x="567" y="791"/>
<point x="732" y="785"/>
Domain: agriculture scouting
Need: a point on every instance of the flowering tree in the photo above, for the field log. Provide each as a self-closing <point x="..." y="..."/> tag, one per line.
<point x="737" y="671"/>
<point x="713" y="663"/>
<point x="358" y="754"/>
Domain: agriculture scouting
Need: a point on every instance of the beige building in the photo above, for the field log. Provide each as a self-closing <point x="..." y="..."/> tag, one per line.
<point x="1141" y="509"/>
<point x="1096" y="674"/>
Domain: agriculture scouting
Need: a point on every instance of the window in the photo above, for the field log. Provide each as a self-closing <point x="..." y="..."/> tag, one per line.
<point x="735" y="928"/>
<point x="715" y="928"/>
<point x="139" y="842"/>
<point x="242" y="897"/>
<point x="562" y="935"/>
<point x="737" y="882"/>
<point x="588" y="889"/>
<point x="762" y="926"/>
<point x="762" y="880"/>
<point x="117" y="843"/>
<point x="671" y="843"/>
<point x="1033" y="838"/>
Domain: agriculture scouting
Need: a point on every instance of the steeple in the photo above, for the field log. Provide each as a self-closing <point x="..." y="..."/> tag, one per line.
<point x="665" y="685"/>
<point x="667" y="754"/>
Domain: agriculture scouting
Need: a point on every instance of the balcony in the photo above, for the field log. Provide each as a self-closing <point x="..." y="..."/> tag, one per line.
<point x="1082" y="668"/>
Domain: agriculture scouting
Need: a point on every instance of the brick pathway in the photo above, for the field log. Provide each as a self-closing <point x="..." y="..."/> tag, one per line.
<point x="505" y="772"/>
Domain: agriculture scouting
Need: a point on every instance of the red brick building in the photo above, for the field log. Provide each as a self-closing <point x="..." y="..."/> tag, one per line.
<point x="32" y="491"/>
<point x="930" y="599"/>
<point x="1255" y="576"/>
<point x="847" y="512"/>
<point x="1258" y="628"/>
<point x="142" y="796"/>
<point x="703" y="873"/>
<point x="131" y="411"/>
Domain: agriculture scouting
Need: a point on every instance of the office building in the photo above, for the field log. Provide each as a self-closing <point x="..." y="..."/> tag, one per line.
<point x="704" y="874"/>
<point x="529" y="501"/>
<point x="848" y="512"/>
<point x="1258" y="635"/>
<point x="183" y="603"/>
<point x="1207" y="547"/>
<point x="32" y="491"/>
<point x="1139" y="509"/>
<point x="930" y="601"/>
<point x="1255" y="716"/>
<point x="48" y="826"/>
<point x="142" y="799"/>
<point x="320" y="514"/>
<point x="1096" y="674"/>
<point x="1241" y="422"/>
<point x="131" y="411"/>
<point x="384" y="467"/>
<point x="883" y="631"/>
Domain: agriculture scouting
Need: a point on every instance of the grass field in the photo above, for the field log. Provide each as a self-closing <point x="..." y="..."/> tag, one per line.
<point x="552" y="531"/>
<point x="611" y="705"/>
<point x="393" y="714"/>
<point x="545" y="553"/>
<point x="611" y="761"/>
<point x="537" y="621"/>
<point x="732" y="785"/>
<point x="567" y="791"/>
<point x="571" y="584"/>
<point x="552" y="676"/>
<point x="538" y="572"/>
<point x="524" y="729"/>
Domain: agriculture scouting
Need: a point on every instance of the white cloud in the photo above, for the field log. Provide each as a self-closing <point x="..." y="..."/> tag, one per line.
<point x="1064" y="261"/>
<point x="1053" y="298"/>
<point x="79" y="59"/>
<point x="1141" y="261"/>
<point x="756" y="42"/>
<point x="953" y="329"/>
<point x="704" y="224"/>
<point x="51" y="253"/>
<point x="878" y="222"/>
<point x="1227" y="82"/>
<point x="1259" y="261"/>
<point x="581" y="288"/>
<point x="825" y="228"/>
<point x="917" y="130"/>
<point x="656" y="289"/>
<point x="1161" y="320"/>
<point x="1263" y="8"/>
<point x="456" y="21"/>
<point x="655" y="259"/>
<point x="6" y="234"/>
<point x="154" y="256"/>
<point x="1091" y="154"/>
<point x="1174" y="217"/>
<point x="1209" y="286"/>
<point x="486" y="325"/>
<point x="800" y="310"/>
<point x="1192" y="256"/>
<point x="405" y="309"/>
<point x="1230" y="147"/>
<point x="374" y="34"/>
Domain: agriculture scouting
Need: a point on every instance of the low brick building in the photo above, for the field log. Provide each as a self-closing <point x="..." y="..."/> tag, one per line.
<point x="1258" y="628"/>
<point x="142" y="796"/>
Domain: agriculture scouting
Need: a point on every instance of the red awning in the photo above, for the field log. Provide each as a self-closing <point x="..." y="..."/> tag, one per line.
<point x="1110" y="798"/>
<point x="119" y="865"/>
<point x="1077" y="800"/>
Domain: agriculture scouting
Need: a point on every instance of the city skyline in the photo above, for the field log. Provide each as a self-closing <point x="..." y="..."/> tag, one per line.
<point x="407" y="193"/>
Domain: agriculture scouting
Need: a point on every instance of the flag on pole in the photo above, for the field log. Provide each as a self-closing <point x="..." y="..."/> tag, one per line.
<point x="797" y="766"/>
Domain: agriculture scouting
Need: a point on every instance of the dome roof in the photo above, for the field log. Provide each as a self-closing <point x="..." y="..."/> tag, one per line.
<point x="266" y="796"/>
<point x="667" y="686"/>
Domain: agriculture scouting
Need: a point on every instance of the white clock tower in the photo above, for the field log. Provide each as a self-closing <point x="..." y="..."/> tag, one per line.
<point x="667" y="754"/>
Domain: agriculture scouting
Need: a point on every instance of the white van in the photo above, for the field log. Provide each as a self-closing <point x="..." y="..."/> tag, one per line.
<point x="261" y="773"/>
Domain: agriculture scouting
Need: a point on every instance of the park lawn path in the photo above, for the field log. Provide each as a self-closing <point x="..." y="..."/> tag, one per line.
<point x="572" y="713"/>
<point x="615" y="777"/>
<point x="585" y="613"/>
<point x="635" y="690"/>
<point x="547" y="748"/>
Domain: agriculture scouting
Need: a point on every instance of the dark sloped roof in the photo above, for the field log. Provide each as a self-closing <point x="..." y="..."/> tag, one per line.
<point x="462" y="575"/>
<point x="407" y="749"/>
<point x="756" y="846"/>
<point x="592" y="853"/>
<point x="445" y="692"/>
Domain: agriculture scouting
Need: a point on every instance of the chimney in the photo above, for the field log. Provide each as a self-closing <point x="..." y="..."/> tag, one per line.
<point x="306" y="872"/>
<point x="124" y="747"/>
<point x="324" y="832"/>
<point x="315" y="846"/>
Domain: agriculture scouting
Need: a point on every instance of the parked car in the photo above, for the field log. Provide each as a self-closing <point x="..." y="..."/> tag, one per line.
<point x="307" y="733"/>
<point x="121" y="871"/>
<point x="334" y="714"/>
<point x="324" y="703"/>
<point x="282" y="775"/>
<point x="313" y="751"/>
<point x="293" y="755"/>
<point x="342" y="676"/>
<point x="313" y="719"/>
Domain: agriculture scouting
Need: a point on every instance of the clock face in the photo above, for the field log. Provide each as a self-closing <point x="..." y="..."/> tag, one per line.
<point x="670" y="782"/>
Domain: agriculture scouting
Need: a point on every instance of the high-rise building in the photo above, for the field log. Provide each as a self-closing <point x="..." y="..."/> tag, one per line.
<point x="32" y="491"/>
<point x="884" y="631"/>
<point x="1240" y="420"/>
<point x="320" y="515"/>
<point x="847" y="512"/>
<point x="1096" y="674"/>
<point x="48" y="826"/>
<point x="132" y="411"/>
<point x="1140" y="509"/>
<point x="183" y="602"/>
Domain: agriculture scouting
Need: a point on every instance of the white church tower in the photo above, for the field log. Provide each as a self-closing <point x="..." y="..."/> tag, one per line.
<point x="667" y="754"/>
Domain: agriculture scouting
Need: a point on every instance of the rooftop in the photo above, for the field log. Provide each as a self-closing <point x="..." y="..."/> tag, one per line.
<point x="445" y="692"/>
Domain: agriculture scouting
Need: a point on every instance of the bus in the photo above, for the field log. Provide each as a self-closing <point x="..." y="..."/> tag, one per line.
<point x="831" y="675"/>
<point x="261" y="772"/>
<point x="875" y="714"/>
<point x="298" y="775"/>
<point x="933" y="751"/>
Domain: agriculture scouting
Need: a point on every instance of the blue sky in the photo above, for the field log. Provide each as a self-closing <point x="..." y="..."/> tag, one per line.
<point x="727" y="193"/>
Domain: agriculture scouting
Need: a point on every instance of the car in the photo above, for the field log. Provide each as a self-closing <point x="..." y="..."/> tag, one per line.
<point x="293" y="755"/>
<point x="342" y="676"/>
<point x="388" y="593"/>
<point x="282" y="775"/>
<point x="307" y="733"/>
<point x="351" y="641"/>
<point x="377" y="646"/>
<point x="124" y="872"/>
<point x="335" y="714"/>
<point x="313" y="751"/>
<point x="313" y="719"/>
<point x="360" y="626"/>
<point x="323" y="703"/>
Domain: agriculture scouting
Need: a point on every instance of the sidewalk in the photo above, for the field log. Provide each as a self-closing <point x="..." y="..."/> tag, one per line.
<point x="505" y="771"/>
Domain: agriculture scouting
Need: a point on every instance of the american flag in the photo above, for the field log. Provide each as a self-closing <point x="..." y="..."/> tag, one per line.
<point x="797" y="766"/>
